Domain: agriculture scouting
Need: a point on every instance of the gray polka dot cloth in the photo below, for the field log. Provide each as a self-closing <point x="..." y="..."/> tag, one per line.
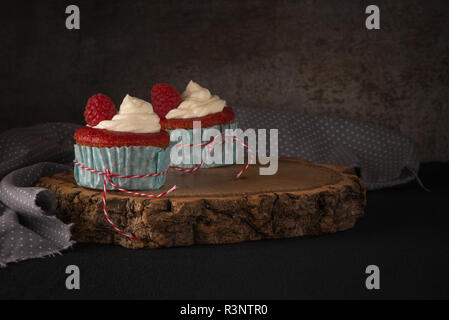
<point x="28" y="230"/>
<point x="384" y="158"/>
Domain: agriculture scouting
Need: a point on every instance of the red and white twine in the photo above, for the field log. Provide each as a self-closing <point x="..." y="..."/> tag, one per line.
<point x="108" y="176"/>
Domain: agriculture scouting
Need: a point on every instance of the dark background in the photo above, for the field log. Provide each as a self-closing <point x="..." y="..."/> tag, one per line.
<point x="314" y="57"/>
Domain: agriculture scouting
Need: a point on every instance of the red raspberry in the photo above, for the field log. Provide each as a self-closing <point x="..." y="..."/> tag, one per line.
<point x="164" y="98"/>
<point x="99" y="107"/>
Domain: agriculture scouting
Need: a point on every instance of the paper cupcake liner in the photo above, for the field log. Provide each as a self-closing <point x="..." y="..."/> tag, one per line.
<point x="191" y="157"/>
<point x="132" y="160"/>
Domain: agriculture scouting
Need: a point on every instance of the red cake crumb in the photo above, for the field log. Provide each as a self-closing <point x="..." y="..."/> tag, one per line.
<point x="103" y="138"/>
<point x="226" y="116"/>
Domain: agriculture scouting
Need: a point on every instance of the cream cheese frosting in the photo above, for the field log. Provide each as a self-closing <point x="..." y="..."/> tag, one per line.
<point x="197" y="102"/>
<point x="135" y="115"/>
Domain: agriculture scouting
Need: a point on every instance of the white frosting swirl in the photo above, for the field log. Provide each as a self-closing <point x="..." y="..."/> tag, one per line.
<point x="135" y="115"/>
<point x="197" y="102"/>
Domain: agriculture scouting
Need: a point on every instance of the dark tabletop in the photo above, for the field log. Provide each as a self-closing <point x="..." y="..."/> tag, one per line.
<point x="405" y="232"/>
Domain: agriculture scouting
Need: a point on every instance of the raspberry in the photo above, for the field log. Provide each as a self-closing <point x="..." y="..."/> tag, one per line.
<point x="164" y="98"/>
<point x="99" y="107"/>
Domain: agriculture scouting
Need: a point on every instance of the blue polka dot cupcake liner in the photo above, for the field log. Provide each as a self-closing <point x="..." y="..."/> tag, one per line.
<point x="191" y="157"/>
<point x="131" y="160"/>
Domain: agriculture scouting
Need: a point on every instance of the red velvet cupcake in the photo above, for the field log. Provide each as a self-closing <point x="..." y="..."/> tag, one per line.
<point x="196" y="104"/>
<point x="129" y="142"/>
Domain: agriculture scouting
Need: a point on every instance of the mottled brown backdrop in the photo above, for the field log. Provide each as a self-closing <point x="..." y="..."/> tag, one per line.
<point x="314" y="57"/>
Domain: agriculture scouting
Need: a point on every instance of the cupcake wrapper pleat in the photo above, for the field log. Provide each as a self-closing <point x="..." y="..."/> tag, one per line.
<point x="191" y="157"/>
<point x="132" y="160"/>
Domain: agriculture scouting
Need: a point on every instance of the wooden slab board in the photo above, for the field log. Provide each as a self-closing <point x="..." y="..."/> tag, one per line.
<point x="212" y="207"/>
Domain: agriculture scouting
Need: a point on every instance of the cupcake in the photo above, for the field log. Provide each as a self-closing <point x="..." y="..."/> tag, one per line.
<point x="195" y="104"/>
<point x="127" y="142"/>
